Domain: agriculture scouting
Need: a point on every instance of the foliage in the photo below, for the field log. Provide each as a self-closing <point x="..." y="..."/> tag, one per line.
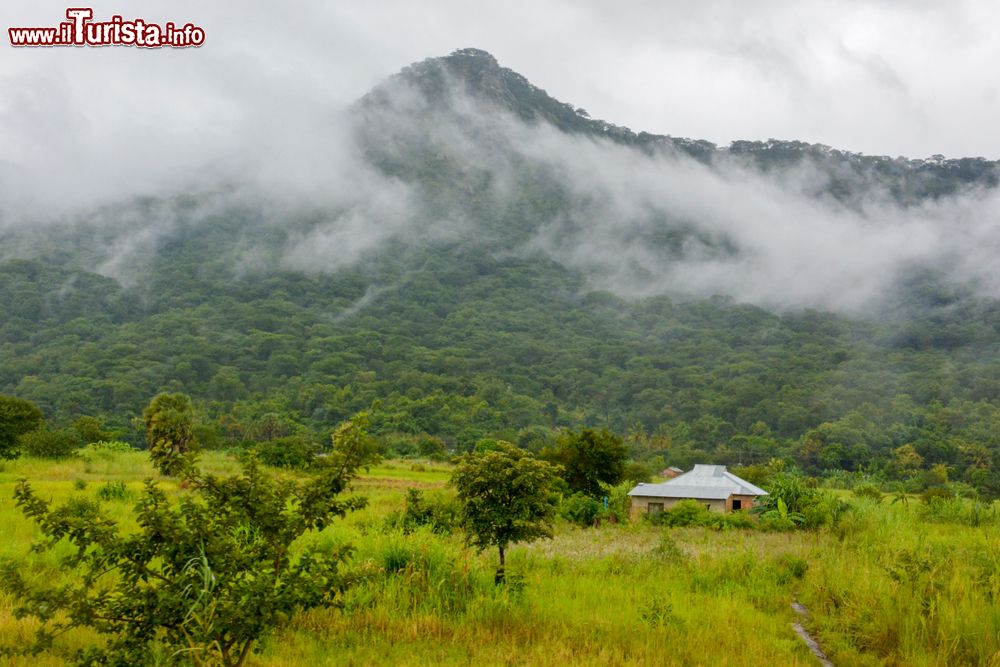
<point x="589" y="458"/>
<point x="936" y="494"/>
<point x="437" y="512"/>
<point x="50" y="444"/>
<point x="506" y="495"/>
<point x="687" y="513"/>
<point x="780" y="517"/>
<point x="659" y="613"/>
<point x="90" y="429"/>
<point x="113" y="491"/>
<point x="683" y="513"/>
<point x="103" y="449"/>
<point x="203" y="578"/>
<point x="17" y="417"/>
<point x="619" y="502"/>
<point x="293" y="451"/>
<point x="636" y="472"/>
<point x="169" y="421"/>
<point x="888" y="584"/>
<point x="869" y="491"/>
<point x="580" y="509"/>
<point x="667" y="550"/>
<point x="792" y="503"/>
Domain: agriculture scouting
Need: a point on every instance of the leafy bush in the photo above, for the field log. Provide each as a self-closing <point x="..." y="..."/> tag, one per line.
<point x="868" y="491"/>
<point x="169" y="421"/>
<point x="432" y="448"/>
<point x="936" y="495"/>
<point x="580" y="509"/>
<point x="694" y="513"/>
<point x="619" y="502"/>
<point x="438" y="512"/>
<point x="738" y="519"/>
<point x="793" y="502"/>
<point x="112" y="491"/>
<point x="684" y="513"/>
<point x="50" y="444"/>
<point x="293" y="451"/>
<point x="667" y="550"/>
<point x="104" y="450"/>
<point x="659" y="613"/>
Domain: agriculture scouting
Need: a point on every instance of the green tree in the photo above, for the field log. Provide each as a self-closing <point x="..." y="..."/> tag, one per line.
<point x="17" y="417"/>
<point x="169" y="420"/>
<point x="201" y="579"/>
<point x="589" y="458"/>
<point x="506" y="495"/>
<point x="90" y="429"/>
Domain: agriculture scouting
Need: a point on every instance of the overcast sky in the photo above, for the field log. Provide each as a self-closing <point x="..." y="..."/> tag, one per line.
<point x="898" y="77"/>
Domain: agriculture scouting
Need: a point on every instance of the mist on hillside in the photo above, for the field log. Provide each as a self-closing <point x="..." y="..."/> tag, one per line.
<point x="339" y="184"/>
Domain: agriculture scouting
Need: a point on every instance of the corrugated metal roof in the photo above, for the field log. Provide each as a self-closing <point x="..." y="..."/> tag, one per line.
<point x="703" y="482"/>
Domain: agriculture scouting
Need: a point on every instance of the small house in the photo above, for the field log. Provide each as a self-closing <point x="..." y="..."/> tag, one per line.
<point x="716" y="487"/>
<point x="671" y="472"/>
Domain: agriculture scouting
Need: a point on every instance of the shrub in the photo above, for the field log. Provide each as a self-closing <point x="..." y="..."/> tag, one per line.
<point x="169" y="421"/>
<point x="791" y="567"/>
<point x="667" y="550"/>
<point x="794" y="502"/>
<point x="50" y="444"/>
<point x="104" y="450"/>
<point x="684" y="513"/>
<point x="659" y="613"/>
<point x="431" y="447"/>
<point x="738" y="519"/>
<point x="619" y="501"/>
<point x="293" y="451"/>
<point x="936" y="495"/>
<point x="580" y="509"/>
<point x="112" y="491"/>
<point x="437" y="512"/>
<point x="868" y="491"/>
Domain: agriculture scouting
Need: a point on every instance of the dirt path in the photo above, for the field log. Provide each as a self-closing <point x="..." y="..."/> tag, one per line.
<point x="808" y="638"/>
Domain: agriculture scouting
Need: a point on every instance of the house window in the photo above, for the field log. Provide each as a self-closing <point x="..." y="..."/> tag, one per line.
<point x="737" y="504"/>
<point x="653" y="508"/>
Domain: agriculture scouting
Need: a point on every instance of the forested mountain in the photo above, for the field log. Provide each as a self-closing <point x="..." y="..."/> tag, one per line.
<point x="495" y="263"/>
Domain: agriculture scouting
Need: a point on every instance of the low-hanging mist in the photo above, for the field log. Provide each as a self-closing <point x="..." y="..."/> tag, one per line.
<point x="334" y="187"/>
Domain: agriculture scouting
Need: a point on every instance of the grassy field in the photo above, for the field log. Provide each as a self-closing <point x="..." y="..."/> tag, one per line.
<point x="890" y="584"/>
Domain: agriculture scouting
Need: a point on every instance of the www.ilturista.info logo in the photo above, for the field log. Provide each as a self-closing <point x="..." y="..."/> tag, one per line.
<point x="80" y="30"/>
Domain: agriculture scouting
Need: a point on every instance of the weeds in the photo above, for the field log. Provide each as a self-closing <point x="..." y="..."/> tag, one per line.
<point x="113" y="491"/>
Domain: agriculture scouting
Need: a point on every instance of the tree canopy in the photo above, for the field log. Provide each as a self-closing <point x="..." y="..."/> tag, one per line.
<point x="589" y="458"/>
<point x="169" y="420"/>
<point x="506" y="495"/>
<point x="17" y="417"/>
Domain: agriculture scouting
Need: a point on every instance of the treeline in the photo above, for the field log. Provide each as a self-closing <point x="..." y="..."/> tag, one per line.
<point x="474" y="347"/>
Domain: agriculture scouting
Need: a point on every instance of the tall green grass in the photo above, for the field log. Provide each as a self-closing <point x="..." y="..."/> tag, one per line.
<point x="889" y="584"/>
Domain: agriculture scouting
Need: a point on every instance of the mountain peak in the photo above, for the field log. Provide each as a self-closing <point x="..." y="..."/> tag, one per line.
<point x="473" y="53"/>
<point x="477" y="74"/>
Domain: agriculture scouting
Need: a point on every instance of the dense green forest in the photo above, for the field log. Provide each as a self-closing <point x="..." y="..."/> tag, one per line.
<point x="451" y="338"/>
